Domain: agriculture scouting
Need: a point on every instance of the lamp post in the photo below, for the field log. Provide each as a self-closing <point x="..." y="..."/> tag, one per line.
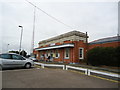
<point x="21" y="38"/>
<point x="7" y="47"/>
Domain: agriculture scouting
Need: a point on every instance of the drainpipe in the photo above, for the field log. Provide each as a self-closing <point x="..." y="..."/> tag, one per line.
<point x="86" y="47"/>
<point x="72" y="52"/>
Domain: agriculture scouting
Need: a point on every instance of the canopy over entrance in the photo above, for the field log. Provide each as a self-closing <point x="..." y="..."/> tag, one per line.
<point x="55" y="47"/>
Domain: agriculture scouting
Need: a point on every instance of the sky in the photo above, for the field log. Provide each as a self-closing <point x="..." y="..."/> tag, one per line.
<point x="97" y="17"/>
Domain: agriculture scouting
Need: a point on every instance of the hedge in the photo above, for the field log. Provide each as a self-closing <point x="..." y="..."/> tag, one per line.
<point x="104" y="56"/>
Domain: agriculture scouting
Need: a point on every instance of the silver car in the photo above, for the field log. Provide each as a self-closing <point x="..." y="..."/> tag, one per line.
<point x="34" y="59"/>
<point x="12" y="60"/>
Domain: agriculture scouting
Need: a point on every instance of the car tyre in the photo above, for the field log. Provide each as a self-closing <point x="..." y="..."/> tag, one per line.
<point x="0" y="68"/>
<point x="27" y="65"/>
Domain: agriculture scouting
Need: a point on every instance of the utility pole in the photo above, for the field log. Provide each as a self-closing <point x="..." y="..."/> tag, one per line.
<point x="33" y="33"/>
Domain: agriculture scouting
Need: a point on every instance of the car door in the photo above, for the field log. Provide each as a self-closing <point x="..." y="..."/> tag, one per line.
<point x="18" y="60"/>
<point x="6" y="60"/>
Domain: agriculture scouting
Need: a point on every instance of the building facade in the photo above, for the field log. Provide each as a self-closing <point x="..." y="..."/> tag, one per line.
<point x="105" y="42"/>
<point x="70" y="47"/>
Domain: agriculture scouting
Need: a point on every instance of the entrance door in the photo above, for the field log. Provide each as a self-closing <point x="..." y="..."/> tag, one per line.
<point x="51" y="56"/>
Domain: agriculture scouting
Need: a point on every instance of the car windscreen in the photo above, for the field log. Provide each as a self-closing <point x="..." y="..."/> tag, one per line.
<point x="17" y="57"/>
<point x="5" y="56"/>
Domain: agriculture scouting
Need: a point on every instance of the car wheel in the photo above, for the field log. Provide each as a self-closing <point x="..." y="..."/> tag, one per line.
<point x="0" y="67"/>
<point x="27" y="65"/>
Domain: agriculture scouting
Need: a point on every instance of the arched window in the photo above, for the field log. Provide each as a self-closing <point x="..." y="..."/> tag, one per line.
<point x="81" y="53"/>
<point x="67" y="53"/>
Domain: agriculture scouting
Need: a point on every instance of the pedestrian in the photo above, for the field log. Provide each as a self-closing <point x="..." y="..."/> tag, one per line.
<point x="49" y="58"/>
<point x="41" y="58"/>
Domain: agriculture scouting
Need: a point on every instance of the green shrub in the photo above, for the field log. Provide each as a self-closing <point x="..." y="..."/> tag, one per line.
<point x="104" y="56"/>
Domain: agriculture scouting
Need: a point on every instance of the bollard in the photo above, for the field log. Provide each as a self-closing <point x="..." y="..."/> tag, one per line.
<point x="88" y="72"/>
<point x="63" y="67"/>
<point x="66" y="68"/>
<point x="42" y="65"/>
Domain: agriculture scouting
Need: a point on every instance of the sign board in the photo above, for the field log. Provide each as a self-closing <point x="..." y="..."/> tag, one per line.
<point x="52" y="44"/>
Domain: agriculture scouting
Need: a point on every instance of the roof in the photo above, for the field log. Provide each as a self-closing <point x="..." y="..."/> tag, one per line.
<point x="106" y="40"/>
<point x="55" y="47"/>
<point x="77" y="33"/>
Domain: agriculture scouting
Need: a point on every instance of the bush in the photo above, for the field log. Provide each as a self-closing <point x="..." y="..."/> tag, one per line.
<point x="104" y="56"/>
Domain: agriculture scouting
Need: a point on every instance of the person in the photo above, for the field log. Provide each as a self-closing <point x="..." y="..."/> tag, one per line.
<point x="46" y="57"/>
<point x="49" y="58"/>
<point x="41" y="58"/>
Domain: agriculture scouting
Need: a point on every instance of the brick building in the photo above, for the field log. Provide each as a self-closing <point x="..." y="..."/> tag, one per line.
<point x="70" y="47"/>
<point x="105" y="42"/>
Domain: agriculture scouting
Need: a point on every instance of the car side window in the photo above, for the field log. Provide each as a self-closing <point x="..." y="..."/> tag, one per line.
<point x="5" y="56"/>
<point x="17" y="57"/>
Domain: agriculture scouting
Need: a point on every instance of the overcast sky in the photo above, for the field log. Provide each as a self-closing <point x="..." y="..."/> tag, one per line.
<point x="99" y="19"/>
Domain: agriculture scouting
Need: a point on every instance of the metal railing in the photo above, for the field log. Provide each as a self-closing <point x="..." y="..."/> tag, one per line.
<point x="76" y="68"/>
<point x="50" y="65"/>
<point x="103" y="73"/>
<point x="87" y="71"/>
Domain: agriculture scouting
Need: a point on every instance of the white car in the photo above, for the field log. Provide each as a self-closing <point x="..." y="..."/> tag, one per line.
<point x="12" y="60"/>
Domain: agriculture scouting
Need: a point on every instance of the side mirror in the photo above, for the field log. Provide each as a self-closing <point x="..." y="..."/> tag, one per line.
<point x="23" y="59"/>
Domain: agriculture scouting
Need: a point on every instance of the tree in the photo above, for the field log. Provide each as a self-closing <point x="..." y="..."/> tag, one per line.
<point x="104" y="56"/>
<point x="23" y="53"/>
<point x="14" y="52"/>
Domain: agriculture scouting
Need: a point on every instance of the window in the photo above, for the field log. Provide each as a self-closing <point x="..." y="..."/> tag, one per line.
<point x="35" y="55"/>
<point x="81" y="52"/>
<point x="56" y="54"/>
<point x="5" y="56"/>
<point x="47" y="53"/>
<point x="67" y="53"/>
<point x="17" y="57"/>
<point x="51" y="54"/>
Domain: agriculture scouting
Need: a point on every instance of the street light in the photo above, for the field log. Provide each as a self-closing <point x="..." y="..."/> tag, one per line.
<point x="21" y="38"/>
<point x="7" y="47"/>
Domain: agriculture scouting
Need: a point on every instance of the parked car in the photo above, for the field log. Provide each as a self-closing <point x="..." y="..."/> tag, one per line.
<point x="12" y="60"/>
<point x="34" y="59"/>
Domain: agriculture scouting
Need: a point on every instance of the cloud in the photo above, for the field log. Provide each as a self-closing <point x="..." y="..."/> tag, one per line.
<point x="99" y="19"/>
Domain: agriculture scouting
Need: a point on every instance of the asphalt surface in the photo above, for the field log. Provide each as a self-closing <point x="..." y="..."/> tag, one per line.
<point x="51" y="78"/>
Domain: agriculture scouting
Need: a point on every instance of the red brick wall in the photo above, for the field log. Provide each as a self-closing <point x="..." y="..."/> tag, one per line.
<point x="110" y="44"/>
<point x="38" y="55"/>
<point x="74" y="52"/>
<point x="60" y="58"/>
<point x="78" y="44"/>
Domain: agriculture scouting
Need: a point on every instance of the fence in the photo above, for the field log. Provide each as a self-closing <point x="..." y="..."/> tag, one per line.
<point x="50" y="65"/>
<point x="76" y="68"/>
<point x="87" y="71"/>
<point x="103" y="73"/>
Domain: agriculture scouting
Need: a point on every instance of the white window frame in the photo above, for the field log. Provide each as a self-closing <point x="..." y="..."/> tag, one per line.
<point x="56" y="52"/>
<point x="82" y="53"/>
<point x="37" y="55"/>
<point x="68" y="53"/>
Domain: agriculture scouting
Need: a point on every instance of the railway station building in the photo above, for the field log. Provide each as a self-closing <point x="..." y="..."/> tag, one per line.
<point x="70" y="47"/>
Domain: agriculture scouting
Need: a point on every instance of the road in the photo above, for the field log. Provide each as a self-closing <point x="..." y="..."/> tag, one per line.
<point x="51" y="78"/>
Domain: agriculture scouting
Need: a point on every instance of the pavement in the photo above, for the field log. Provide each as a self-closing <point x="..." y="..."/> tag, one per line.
<point x="51" y="78"/>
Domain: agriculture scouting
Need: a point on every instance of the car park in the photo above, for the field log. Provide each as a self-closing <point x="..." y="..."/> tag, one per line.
<point x="12" y="60"/>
